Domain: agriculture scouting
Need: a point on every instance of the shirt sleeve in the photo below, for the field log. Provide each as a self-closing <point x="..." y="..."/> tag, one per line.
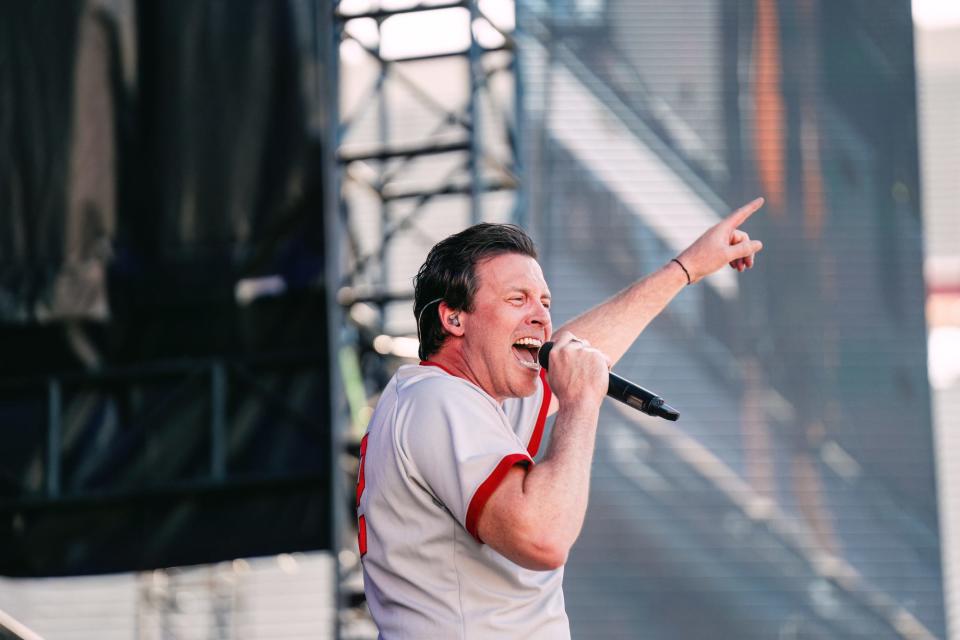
<point x="528" y="416"/>
<point x="458" y="445"/>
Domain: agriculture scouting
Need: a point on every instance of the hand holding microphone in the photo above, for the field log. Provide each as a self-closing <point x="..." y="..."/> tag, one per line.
<point x="578" y="376"/>
<point x="623" y="390"/>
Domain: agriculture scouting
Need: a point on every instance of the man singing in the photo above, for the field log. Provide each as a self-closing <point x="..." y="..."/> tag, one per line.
<point x="461" y="534"/>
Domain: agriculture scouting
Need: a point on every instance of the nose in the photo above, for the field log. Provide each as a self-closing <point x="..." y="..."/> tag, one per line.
<point x="540" y="315"/>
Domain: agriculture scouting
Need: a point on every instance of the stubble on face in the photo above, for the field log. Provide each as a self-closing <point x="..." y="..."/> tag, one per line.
<point x="509" y="322"/>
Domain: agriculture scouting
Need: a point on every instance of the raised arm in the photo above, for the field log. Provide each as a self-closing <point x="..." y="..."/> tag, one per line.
<point x="535" y="514"/>
<point x="613" y="325"/>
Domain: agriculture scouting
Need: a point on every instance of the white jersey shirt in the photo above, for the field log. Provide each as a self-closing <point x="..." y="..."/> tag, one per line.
<point x="436" y="449"/>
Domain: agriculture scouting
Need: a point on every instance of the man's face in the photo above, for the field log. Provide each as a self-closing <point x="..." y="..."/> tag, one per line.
<point x="509" y="322"/>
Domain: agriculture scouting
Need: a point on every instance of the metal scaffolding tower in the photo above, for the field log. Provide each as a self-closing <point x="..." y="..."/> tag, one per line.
<point x="423" y="111"/>
<point x="425" y="99"/>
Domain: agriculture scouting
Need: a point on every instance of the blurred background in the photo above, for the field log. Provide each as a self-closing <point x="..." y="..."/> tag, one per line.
<point x="211" y="211"/>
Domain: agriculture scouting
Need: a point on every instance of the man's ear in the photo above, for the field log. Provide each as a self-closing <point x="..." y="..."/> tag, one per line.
<point x="451" y="319"/>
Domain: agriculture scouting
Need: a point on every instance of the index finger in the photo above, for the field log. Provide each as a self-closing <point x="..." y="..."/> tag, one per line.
<point x="740" y="216"/>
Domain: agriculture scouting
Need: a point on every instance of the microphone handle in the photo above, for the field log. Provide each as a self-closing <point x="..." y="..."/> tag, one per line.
<point x="621" y="389"/>
<point x="628" y="393"/>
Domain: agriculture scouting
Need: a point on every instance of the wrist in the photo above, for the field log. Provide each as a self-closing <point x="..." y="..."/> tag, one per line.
<point x="580" y="405"/>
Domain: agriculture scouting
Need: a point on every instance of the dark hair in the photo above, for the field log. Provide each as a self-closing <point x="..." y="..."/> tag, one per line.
<point x="449" y="274"/>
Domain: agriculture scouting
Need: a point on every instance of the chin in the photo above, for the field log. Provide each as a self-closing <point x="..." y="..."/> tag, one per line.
<point x="525" y="390"/>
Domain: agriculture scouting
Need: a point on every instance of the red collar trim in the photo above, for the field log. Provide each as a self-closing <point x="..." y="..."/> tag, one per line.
<point x="430" y="363"/>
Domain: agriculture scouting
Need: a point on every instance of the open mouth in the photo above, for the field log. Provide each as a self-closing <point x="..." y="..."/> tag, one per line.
<point x="525" y="350"/>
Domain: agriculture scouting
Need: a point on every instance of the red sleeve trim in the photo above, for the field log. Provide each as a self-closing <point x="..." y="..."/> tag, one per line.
<point x="486" y="489"/>
<point x="534" y="445"/>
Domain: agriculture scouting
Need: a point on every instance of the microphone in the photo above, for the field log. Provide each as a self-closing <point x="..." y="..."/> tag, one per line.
<point x="625" y="391"/>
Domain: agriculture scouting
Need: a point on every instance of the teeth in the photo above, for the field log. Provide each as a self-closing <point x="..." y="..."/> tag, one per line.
<point x="529" y="342"/>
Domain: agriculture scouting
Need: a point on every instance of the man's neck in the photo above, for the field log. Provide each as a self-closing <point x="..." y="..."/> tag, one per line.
<point x="451" y="360"/>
